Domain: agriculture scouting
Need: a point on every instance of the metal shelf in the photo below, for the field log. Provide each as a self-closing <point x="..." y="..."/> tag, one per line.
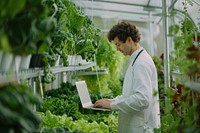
<point x="35" y="72"/>
<point x="190" y="82"/>
<point x="193" y="85"/>
<point x="99" y="72"/>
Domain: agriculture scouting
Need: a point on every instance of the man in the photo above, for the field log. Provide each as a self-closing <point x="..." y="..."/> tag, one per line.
<point x="138" y="105"/>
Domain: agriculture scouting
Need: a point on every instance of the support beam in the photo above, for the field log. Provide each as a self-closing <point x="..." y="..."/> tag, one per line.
<point x="172" y="5"/>
<point x="166" y="46"/>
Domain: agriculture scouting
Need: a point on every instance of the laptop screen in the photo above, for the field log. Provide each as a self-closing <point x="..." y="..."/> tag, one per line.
<point x="83" y="93"/>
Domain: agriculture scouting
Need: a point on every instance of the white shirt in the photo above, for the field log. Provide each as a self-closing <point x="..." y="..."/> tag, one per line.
<point x="139" y="108"/>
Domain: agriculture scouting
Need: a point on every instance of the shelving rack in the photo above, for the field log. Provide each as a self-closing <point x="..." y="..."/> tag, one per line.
<point x="35" y="72"/>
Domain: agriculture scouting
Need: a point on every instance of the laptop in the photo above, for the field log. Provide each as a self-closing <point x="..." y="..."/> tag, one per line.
<point x="85" y="96"/>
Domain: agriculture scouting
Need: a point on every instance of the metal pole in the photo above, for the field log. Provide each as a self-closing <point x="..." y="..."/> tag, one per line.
<point x="172" y="5"/>
<point x="34" y="92"/>
<point x="166" y="47"/>
<point x="151" y="35"/>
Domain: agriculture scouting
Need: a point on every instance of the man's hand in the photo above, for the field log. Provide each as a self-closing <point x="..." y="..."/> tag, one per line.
<point x="103" y="103"/>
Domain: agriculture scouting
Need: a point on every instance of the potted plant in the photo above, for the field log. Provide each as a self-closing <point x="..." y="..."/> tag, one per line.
<point x="70" y="37"/>
<point x="27" y="29"/>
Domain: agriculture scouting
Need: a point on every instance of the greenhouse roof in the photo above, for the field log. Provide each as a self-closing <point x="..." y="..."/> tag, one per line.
<point x="136" y="10"/>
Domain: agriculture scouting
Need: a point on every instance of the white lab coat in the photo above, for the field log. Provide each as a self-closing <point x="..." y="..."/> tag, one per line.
<point x="138" y="108"/>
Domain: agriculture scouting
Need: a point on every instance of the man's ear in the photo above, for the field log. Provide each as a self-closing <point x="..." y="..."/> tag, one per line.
<point x="129" y="39"/>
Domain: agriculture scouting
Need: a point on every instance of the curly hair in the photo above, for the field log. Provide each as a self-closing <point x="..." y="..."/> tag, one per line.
<point x="123" y="30"/>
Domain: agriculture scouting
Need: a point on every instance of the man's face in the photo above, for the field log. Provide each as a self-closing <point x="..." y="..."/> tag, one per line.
<point x="124" y="48"/>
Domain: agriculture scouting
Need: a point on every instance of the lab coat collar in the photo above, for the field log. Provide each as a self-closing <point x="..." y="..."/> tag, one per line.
<point x="134" y="54"/>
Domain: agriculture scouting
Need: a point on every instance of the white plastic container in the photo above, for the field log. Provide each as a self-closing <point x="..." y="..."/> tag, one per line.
<point x="6" y="62"/>
<point x="74" y="60"/>
<point x="25" y="62"/>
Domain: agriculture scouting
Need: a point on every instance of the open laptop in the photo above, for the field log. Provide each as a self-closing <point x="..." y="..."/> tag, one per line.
<point x="85" y="96"/>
